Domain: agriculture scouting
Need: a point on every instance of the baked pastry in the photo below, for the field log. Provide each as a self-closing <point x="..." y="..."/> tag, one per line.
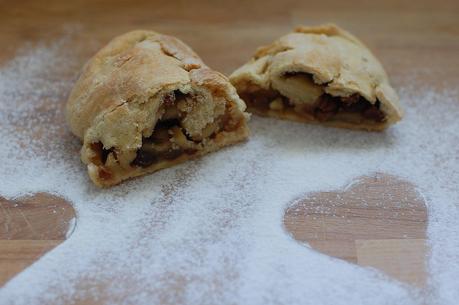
<point x="146" y="101"/>
<point x="321" y="75"/>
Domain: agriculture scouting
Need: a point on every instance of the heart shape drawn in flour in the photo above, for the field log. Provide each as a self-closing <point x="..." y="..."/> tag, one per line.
<point x="378" y="221"/>
<point x="29" y="227"/>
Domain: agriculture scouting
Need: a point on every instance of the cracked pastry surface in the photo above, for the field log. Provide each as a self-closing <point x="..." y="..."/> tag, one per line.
<point x="320" y="75"/>
<point x="145" y="102"/>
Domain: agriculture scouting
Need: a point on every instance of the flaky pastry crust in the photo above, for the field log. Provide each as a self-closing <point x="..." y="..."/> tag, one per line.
<point x="321" y="75"/>
<point x="146" y="101"/>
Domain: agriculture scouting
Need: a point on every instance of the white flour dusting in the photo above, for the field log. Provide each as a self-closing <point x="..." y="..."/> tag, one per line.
<point x="210" y="231"/>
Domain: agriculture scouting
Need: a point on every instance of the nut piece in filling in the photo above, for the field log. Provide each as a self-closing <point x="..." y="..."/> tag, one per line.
<point x="321" y="75"/>
<point x="145" y="102"/>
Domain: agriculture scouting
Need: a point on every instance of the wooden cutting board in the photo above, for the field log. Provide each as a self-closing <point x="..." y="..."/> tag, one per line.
<point x="417" y="43"/>
<point x="378" y="221"/>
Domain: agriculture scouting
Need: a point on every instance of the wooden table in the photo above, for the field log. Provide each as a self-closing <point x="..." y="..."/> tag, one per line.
<point x="416" y="41"/>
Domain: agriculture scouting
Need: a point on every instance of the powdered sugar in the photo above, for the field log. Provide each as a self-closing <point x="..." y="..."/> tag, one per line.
<point x="210" y="231"/>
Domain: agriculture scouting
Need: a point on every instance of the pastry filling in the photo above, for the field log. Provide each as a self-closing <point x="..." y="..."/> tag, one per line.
<point x="180" y="130"/>
<point x="297" y="94"/>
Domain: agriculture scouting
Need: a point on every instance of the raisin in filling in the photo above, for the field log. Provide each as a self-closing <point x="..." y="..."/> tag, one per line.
<point x="158" y="146"/>
<point x="170" y="141"/>
<point x="325" y="108"/>
<point x="101" y="153"/>
<point x="328" y="106"/>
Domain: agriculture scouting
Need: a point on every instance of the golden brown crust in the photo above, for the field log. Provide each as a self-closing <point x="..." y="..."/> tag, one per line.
<point x="118" y="99"/>
<point x="337" y="60"/>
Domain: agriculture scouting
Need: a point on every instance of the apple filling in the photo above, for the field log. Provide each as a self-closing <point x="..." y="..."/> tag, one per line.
<point x="185" y="125"/>
<point x="297" y="95"/>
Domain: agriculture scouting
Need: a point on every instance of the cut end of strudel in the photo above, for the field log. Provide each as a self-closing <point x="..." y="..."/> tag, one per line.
<point x="145" y="102"/>
<point x="320" y="75"/>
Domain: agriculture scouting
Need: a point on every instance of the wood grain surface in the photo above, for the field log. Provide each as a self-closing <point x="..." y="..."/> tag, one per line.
<point x="30" y="227"/>
<point x="378" y="221"/>
<point x="417" y="42"/>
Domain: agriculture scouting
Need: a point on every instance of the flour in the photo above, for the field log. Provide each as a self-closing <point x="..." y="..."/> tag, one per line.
<point x="210" y="231"/>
